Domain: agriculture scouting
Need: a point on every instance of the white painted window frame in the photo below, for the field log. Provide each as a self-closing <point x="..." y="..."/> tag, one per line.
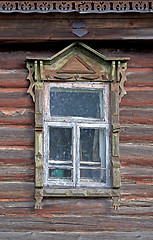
<point x="76" y="123"/>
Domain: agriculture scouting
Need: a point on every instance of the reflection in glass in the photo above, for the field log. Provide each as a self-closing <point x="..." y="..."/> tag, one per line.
<point x="59" y="173"/>
<point x="93" y="174"/>
<point x="76" y="102"/>
<point x="92" y="153"/>
<point x="60" y="144"/>
<point x="60" y="152"/>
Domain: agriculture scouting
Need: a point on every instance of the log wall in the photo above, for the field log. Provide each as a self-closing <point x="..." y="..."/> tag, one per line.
<point x="67" y="218"/>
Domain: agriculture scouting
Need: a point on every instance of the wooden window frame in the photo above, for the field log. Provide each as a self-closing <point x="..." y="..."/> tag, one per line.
<point x="96" y="69"/>
<point x="76" y="123"/>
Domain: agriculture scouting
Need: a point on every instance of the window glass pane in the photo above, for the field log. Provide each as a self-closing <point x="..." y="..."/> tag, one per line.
<point x="92" y="175"/>
<point x="92" y="153"/>
<point x="60" y="144"/>
<point x="59" y="173"/>
<point x="76" y="102"/>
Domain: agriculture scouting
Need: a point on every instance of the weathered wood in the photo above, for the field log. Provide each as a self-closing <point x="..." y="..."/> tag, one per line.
<point x="135" y="133"/>
<point x="136" y="154"/>
<point x="136" y="115"/>
<point x="16" y="116"/>
<point x="17" y="190"/>
<point x="138" y="97"/>
<point x="72" y="223"/>
<point x="107" y="235"/>
<point x="17" y="173"/>
<point x="138" y="175"/>
<point x="13" y="78"/>
<point x="16" y="157"/>
<point x="136" y="77"/>
<point x="15" y="98"/>
<point x="136" y="191"/>
<point x="17" y="136"/>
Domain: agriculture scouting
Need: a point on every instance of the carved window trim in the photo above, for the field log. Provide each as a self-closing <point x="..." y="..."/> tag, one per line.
<point x="97" y="69"/>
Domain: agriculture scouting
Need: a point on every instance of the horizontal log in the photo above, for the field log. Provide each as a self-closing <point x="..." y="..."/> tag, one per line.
<point x="136" y="133"/>
<point x="21" y="99"/>
<point x="138" y="98"/>
<point x="17" y="173"/>
<point x="15" y="99"/>
<point x="136" y="191"/>
<point x="13" y="78"/>
<point x="139" y="78"/>
<point x="17" y="190"/>
<point x="11" y="136"/>
<point x="16" y="157"/>
<point x="76" y="223"/>
<point x="16" y="116"/>
<point x="107" y="235"/>
<point x="136" y="154"/>
<point x="136" y="115"/>
<point x="39" y="21"/>
<point x="15" y="59"/>
<point x="137" y="175"/>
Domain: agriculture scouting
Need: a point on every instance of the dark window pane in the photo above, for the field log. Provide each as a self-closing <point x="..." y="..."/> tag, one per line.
<point x="92" y="153"/>
<point x="76" y="103"/>
<point x="59" y="173"/>
<point x="60" y="144"/>
<point x="92" y="175"/>
<point x="92" y="145"/>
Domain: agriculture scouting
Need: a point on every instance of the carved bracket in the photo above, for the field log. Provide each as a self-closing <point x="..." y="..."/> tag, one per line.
<point x="122" y="79"/>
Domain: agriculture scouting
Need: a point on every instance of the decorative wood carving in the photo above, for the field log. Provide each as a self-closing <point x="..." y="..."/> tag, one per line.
<point x="89" y="6"/>
<point x="75" y="63"/>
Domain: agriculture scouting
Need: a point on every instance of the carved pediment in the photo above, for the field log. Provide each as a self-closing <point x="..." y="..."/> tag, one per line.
<point x="76" y="65"/>
<point x="77" y="62"/>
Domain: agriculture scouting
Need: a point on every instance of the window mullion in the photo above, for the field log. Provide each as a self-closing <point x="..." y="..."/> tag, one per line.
<point x="78" y="155"/>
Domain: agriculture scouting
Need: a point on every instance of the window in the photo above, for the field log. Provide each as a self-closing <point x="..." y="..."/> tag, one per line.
<point x="77" y="94"/>
<point x="76" y="135"/>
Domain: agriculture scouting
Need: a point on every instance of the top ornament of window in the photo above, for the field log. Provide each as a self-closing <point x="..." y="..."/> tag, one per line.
<point x="77" y="94"/>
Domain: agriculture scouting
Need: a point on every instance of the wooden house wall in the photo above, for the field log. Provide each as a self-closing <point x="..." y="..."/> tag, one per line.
<point x="68" y="218"/>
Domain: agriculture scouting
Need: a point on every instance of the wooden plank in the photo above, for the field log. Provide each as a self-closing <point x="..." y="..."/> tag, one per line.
<point x="19" y="22"/>
<point x="17" y="173"/>
<point x="138" y="97"/>
<point x="64" y="32"/>
<point x="107" y="235"/>
<point x="15" y="98"/>
<point x="13" y="78"/>
<point x="16" y="136"/>
<point x="16" y="116"/>
<point x="136" y="115"/>
<point x="17" y="157"/>
<point x="136" y="154"/>
<point x="138" y="175"/>
<point x="136" y="133"/>
<point x="136" y="191"/>
<point x="16" y="190"/>
<point x="139" y="78"/>
<point x="76" y="223"/>
<point x="14" y="59"/>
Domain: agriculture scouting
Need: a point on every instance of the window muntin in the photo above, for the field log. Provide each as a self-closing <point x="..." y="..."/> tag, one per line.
<point x="73" y="162"/>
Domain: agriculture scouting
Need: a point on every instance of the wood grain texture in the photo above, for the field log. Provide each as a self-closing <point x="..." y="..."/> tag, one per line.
<point x="59" y="27"/>
<point x="136" y="133"/>
<point x="107" y="235"/>
<point x="16" y="190"/>
<point x="67" y="217"/>
<point x="21" y="136"/>
<point x="16" y="116"/>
